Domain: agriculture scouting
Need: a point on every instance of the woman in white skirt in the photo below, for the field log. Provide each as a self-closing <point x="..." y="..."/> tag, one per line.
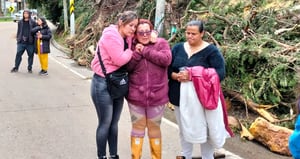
<point x="197" y="124"/>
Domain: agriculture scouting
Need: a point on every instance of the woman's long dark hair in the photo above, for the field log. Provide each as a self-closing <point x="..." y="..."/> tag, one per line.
<point x="44" y="21"/>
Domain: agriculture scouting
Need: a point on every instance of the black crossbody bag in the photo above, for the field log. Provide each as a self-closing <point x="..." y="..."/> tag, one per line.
<point x="117" y="81"/>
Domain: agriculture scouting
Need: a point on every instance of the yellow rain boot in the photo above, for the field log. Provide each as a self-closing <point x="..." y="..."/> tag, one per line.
<point x="155" y="146"/>
<point x="136" y="147"/>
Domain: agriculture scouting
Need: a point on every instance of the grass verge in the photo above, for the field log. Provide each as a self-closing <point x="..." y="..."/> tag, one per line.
<point x="6" y="19"/>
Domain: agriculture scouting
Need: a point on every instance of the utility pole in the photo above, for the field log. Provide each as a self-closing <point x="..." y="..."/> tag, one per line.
<point x="5" y="10"/>
<point x="19" y="5"/>
<point x="66" y="24"/>
<point x="72" y="18"/>
<point x="1" y="12"/>
<point x="159" y="16"/>
<point x="25" y="4"/>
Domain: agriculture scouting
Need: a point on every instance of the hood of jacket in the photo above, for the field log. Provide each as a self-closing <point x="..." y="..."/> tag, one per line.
<point x="111" y="48"/>
<point x="26" y="11"/>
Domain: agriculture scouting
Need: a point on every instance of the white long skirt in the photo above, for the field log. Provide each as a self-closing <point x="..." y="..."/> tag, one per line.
<point x="198" y="124"/>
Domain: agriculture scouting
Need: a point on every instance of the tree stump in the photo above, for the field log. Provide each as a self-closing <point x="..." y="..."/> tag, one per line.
<point x="272" y="136"/>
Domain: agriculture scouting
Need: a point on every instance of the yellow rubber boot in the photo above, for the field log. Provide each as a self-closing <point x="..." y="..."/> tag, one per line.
<point x="155" y="146"/>
<point x="136" y="147"/>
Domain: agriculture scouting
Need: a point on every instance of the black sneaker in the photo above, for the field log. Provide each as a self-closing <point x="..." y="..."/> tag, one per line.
<point x="29" y="70"/>
<point x="14" y="70"/>
<point x="43" y="72"/>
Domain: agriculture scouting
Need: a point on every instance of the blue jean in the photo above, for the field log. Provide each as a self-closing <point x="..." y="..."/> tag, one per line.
<point x="20" y="51"/>
<point x="108" y="112"/>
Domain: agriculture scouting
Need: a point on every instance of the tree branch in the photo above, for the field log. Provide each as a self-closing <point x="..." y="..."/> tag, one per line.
<point x="185" y="14"/>
<point x="198" y="12"/>
<point x="222" y="18"/>
<point x="282" y="30"/>
<point x="213" y="39"/>
<point x="253" y="106"/>
<point x="281" y="44"/>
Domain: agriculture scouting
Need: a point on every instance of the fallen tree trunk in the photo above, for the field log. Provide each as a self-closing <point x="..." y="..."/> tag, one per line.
<point x="260" y="109"/>
<point x="272" y="136"/>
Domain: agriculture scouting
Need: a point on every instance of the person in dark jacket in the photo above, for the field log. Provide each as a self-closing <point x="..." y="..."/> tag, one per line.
<point x="25" y="41"/>
<point x="148" y="88"/>
<point x="42" y="43"/>
<point x="207" y="127"/>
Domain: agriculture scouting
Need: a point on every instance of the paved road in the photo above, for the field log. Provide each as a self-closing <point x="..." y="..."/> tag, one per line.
<point x="43" y="117"/>
<point x="52" y="117"/>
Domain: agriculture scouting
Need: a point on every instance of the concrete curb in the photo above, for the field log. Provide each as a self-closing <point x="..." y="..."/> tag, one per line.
<point x="53" y="41"/>
<point x="60" y="47"/>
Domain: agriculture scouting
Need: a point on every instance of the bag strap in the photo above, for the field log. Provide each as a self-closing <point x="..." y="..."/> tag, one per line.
<point x="101" y="62"/>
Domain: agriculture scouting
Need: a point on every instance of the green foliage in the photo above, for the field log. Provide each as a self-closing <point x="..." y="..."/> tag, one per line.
<point x="292" y="35"/>
<point x="147" y="10"/>
<point x="245" y="31"/>
<point x="51" y="9"/>
<point x="35" y="3"/>
<point x="258" y="75"/>
<point x="85" y="11"/>
<point x="253" y="66"/>
<point x="180" y="37"/>
<point x="5" y="19"/>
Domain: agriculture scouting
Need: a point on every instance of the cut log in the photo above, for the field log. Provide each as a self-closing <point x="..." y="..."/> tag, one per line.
<point x="272" y="136"/>
<point x="245" y="134"/>
<point x="82" y="61"/>
<point x="234" y="123"/>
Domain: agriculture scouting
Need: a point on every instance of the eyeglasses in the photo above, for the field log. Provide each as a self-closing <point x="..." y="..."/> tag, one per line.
<point x="143" y="33"/>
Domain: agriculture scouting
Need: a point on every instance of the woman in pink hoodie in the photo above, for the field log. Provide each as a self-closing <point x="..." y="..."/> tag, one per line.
<point x="148" y="88"/>
<point x="114" y="47"/>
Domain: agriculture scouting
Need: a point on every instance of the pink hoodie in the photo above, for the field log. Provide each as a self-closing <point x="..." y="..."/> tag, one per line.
<point x="208" y="88"/>
<point x="207" y="85"/>
<point x="112" y="52"/>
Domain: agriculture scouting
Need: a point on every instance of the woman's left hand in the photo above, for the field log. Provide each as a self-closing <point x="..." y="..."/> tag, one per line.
<point x="153" y="36"/>
<point x="139" y="47"/>
<point x="183" y="76"/>
<point x="39" y="35"/>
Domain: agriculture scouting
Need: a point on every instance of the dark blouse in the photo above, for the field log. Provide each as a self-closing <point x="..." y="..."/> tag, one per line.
<point x="25" y="32"/>
<point x="209" y="57"/>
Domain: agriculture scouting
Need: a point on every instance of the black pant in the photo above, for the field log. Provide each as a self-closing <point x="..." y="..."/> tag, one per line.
<point x="20" y="51"/>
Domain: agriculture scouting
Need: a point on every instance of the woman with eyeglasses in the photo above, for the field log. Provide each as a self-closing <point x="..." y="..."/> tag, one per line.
<point x="148" y="88"/>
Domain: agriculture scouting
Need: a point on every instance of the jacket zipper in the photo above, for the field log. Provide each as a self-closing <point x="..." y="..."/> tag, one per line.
<point x="147" y="84"/>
